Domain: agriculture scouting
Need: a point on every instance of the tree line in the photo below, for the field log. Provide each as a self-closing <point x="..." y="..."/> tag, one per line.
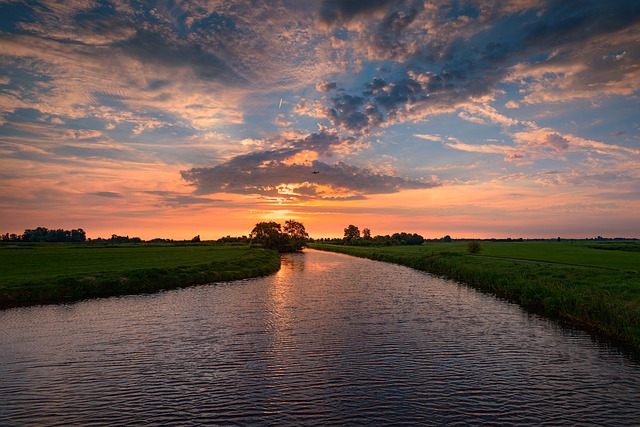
<point x="291" y="237"/>
<point x="43" y="234"/>
<point x="353" y="236"/>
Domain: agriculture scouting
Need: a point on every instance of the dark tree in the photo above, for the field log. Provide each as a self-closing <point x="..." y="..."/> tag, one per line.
<point x="267" y="235"/>
<point x="366" y="234"/>
<point x="78" y="235"/>
<point x="43" y="234"/>
<point x="296" y="234"/>
<point x="408" y="239"/>
<point x="270" y="235"/>
<point x="351" y="233"/>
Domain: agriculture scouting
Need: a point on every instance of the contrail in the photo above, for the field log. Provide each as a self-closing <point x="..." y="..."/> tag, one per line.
<point x="280" y="105"/>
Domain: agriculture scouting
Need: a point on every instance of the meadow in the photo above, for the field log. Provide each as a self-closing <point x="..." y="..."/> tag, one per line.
<point x="54" y="272"/>
<point x="592" y="284"/>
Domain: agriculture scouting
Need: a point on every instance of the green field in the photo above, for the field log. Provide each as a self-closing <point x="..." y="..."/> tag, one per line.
<point x="592" y="284"/>
<point x="49" y="272"/>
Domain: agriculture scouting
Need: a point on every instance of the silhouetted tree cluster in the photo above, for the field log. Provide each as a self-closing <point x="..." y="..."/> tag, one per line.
<point x="159" y="240"/>
<point x="271" y="235"/>
<point x="366" y="234"/>
<point x="352" y="236"/>
<point x="43" y="234"/>
<point x="229" y="239"/>
<point x="13" y="237"/>
<point x="125" y="239"/>
<point x="408" y="239"/>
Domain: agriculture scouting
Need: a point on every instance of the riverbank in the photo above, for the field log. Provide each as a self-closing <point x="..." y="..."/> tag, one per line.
<point x="50" y="273"/>
<point x="593" y="286"/>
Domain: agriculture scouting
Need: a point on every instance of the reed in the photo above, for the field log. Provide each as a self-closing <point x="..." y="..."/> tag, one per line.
<point x="602" y="299"/>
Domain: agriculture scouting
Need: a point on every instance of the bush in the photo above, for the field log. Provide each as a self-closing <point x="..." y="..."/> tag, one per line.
<point x="474" y="247"/>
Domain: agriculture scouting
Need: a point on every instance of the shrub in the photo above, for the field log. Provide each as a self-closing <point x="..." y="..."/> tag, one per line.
<point x="474" y="247"/>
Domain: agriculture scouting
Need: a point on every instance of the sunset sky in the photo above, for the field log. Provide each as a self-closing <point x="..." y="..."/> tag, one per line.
<point x="478" y="118"/>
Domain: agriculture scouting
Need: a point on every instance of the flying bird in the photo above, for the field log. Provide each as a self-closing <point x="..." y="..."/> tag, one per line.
<point x="315" y="172"/>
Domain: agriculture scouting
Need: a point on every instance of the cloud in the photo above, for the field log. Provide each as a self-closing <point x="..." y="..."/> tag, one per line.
<point x="563" y="23"/>
<point x="484" y="114"/>
<point x="189" y="63"/>
<point x="175" y="199"/>
<point x="555" y="141"/>
<point x="458" y="54"/>
<point x="152" y="46"/>
<point x="286" y="173"/>
<point x="435" y="138"/>
<point x="585" y="49"/>
<point x="259" y="174"/>
<point x="325" y="87"/>
<point x="107" y="194"/>
<point x="340" y="11"/>
<point x="544" y="142"/>
<point x="510" y="153"/>
<point x="382" y="103"/>
<point x="445" y="56"/>
<point x="111" y="88"/>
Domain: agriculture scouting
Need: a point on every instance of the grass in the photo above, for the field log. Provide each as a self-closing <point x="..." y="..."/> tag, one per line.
<point x="41" y="273"/>
<point x="590" y="285"/>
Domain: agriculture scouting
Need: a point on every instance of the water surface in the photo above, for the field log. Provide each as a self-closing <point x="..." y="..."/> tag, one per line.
<point x="330" y="339"/>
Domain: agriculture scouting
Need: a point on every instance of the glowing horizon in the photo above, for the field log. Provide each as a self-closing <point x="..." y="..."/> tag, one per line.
<point x="473" y="119"/>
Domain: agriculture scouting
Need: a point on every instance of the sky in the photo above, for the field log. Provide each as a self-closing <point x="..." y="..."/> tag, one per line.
<point x="469" y="118"/>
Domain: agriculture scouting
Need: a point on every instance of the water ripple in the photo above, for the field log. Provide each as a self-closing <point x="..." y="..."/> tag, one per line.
<point x="329" y="340"/>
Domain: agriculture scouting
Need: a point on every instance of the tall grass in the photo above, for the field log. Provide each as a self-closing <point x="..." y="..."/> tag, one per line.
<point x="603" y="300"/>
<point x="53" y="273"/>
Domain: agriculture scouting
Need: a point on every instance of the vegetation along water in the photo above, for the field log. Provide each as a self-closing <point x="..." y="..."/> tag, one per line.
<point x="593" y="284"/>
<point x="54" y="272"/>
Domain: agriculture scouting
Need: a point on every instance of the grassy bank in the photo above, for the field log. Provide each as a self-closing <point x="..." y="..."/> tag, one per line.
<point x="595" y="285"/>
<point x="41" y="273"/>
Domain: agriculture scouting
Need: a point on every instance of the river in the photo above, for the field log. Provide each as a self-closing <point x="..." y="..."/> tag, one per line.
<point x="328" y="340"/>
